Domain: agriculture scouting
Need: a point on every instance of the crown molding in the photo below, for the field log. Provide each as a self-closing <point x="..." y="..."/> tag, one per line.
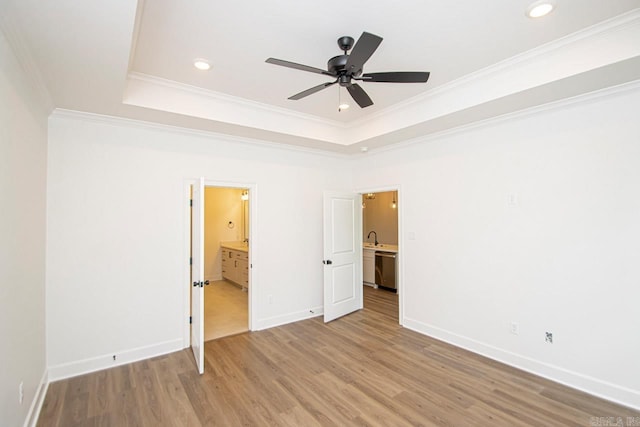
<point x="221" y="137"/>
<point x="255" y="118"/>
<point x="527" y="112"/>
<point x="234" y="100"/>
<point x="540" y="109"/>
<point x="22" y="52"/>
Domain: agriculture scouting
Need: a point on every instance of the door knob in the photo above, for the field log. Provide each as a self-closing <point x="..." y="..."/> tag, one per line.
<point x="201" y="284"/>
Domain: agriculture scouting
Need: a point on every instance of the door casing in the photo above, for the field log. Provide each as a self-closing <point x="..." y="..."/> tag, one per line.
<point x="253" y="239"/>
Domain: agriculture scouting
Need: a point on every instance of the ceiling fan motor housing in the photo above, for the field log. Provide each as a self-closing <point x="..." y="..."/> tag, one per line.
<point x="336" y="64"/>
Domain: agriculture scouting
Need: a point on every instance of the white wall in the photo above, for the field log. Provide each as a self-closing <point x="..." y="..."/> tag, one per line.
<point x="221" y="206"/>
<point x="116" y="235"/>
<point x="534" y="220"/>
<point x="23" y="151"/>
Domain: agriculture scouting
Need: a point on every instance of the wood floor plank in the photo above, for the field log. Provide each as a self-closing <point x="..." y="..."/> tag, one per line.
<point x="53" y="405"/>
<point x="360" y="370"/>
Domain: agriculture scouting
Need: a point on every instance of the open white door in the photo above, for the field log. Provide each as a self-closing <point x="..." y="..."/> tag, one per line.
<point x="342" y="254"/>
<point x="197" y="273"/>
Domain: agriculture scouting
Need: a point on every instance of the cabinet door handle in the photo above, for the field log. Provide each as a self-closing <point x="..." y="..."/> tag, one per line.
<point x="327" y="262"/>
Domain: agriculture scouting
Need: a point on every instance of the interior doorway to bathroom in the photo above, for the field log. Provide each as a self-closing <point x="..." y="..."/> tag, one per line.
<point x="220" y="226"/>
<point x="380" y="252"/>
<point x="226" y="261"/>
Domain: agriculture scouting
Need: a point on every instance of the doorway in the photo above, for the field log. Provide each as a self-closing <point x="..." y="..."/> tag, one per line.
<point x="226" y="259"/>
<point x="380" y="252"/>
<point x="234" y="224"/>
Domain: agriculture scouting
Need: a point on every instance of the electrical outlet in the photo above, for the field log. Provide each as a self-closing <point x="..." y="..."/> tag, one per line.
<point x="514" y="328"/>
<point x="548" y="337"/>
<point x="21" y="392"/>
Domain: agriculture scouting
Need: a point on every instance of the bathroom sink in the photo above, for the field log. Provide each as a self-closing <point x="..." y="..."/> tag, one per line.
<point x="381" y="246"/>
<point x="371" y="245"/>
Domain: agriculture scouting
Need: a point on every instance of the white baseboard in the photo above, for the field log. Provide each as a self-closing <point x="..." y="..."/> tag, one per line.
<point x="79" y="367"/>
<point x="274" y="321"/>
<point x="603" y="389"/>
<point x="38" y="400"/>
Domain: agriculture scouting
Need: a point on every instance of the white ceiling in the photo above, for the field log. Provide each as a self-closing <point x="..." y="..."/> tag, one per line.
<point x="134" y="60"/>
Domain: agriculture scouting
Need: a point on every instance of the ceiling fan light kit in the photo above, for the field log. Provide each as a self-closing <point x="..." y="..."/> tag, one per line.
<point x="347" y="67"/>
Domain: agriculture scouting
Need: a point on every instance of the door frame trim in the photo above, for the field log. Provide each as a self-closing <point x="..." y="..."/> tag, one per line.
<point x="400" y="208"/>
<point x="253" y="244"/>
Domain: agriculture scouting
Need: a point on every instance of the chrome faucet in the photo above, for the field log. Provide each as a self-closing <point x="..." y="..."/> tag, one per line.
<point x="375" y="237"/>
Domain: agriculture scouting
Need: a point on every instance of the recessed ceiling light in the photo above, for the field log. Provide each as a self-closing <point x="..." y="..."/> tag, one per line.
<point x="540" y="8"/>
<point x="201" y="64"/>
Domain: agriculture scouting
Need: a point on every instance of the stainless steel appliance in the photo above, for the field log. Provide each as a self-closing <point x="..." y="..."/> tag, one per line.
<point x="386" y="270"/>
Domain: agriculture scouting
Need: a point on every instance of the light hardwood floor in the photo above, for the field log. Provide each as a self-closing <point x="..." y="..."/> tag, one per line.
<point x="362" y="369"/>
<point x="381" y="301"/>
<point x="225" y="310"/>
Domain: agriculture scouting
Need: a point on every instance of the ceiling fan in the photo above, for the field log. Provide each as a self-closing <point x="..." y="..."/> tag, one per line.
<point x="348" y="67"/>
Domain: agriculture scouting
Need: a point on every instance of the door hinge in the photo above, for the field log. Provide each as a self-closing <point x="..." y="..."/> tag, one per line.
<point x="191" y="202"/>
<point x="190" y="320"/>
<point x="190" y="261"/>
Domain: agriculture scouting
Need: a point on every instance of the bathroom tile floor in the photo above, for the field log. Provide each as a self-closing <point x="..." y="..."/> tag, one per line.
<point x="225" y="310"/>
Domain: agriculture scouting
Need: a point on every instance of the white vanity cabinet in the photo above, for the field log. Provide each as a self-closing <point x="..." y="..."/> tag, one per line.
<point x="369" y="266"/>
<point x="235" y="266"/>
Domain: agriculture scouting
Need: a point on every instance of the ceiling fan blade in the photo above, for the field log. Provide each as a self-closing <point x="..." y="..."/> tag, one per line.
<point x="396" y="77"/>
<point x="359" y="95"/>
<point x="361" y="52"/>
<point x="311" y="91"/>
<point x="290" y="64"/>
